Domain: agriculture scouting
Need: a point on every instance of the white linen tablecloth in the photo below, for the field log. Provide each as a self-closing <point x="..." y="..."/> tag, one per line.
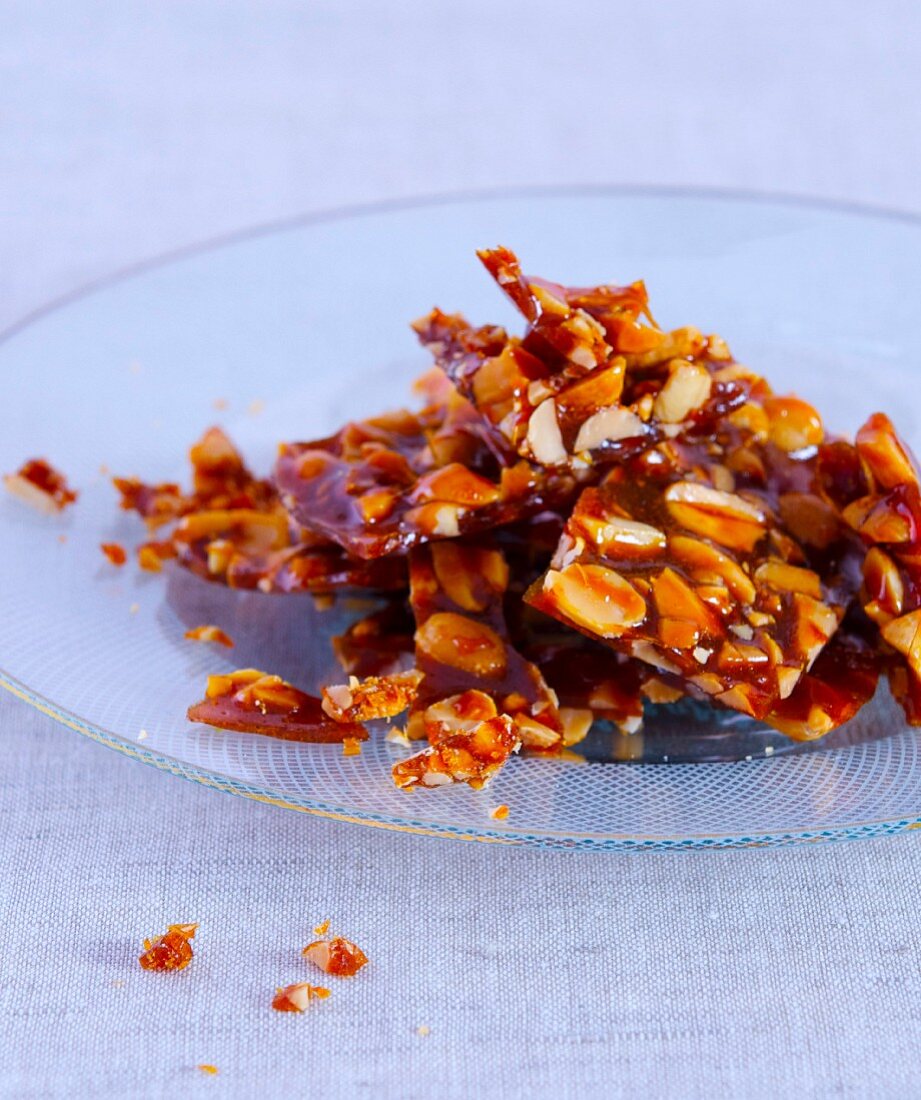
<point x="127" y="129"/>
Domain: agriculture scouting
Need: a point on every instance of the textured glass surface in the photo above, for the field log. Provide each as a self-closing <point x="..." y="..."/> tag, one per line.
<point x="300" y="328"/>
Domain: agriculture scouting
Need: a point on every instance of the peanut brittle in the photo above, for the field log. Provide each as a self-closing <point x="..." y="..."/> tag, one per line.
<point x="372" y="698"/>
<point x="251" y="701"/>
<point x="469" y="742"/>
<point x="589" y="382"/>
<point x="596" y="513"/>
<point x="232" y="528"/>
<point x="457" y="590"/>
<point x="705" y="583"/>
<point x="38" y="484"/>
<point x="383" y="485"/>
<point x="887" y="516"/>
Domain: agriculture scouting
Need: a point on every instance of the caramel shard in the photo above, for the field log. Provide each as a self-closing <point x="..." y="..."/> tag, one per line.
<point x="337" y="956"/>
<point x="38" y="484"/>
<point x="383" y="485"/>
<point x="251" y="701"/>
<point x="373" y="698"/>
<point x="231" y="528"/>
<point x="466" y="756"/>
<point x="351" y="746"/>
<point x="499" y="813"/>
<point x="298" y="997"/>
<point x="171" y="951"/>
<point x="210" y="634"/>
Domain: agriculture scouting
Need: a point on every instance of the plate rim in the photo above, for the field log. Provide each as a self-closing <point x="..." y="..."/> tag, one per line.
<point x="572" y="841"/>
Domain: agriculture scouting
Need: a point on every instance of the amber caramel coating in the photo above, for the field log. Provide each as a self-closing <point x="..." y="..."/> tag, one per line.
<point x="383" y="485"/>
<point x="470" y="753"/>
<point x="591" y="382"/>
<point x="251" y="701"/>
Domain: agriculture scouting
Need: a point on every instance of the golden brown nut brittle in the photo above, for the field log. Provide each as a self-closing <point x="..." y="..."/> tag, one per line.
<point x="251" y="701"/>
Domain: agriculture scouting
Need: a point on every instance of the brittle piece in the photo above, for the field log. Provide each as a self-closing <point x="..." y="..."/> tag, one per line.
<point x="589" y="382"/>
<point x="842" y="680"/>
<point x="371" y="698"/>
<point x="297" y="997"/>
<point x="704" y="583"/>
<point x="171" y="951"/>
<point x="231" y="528"/>
<point x="251" y="701"/>
<point x="337" y="956"/>
<point x="887" y="516"/>
<point x="41" y="486"/>
<point x="383" y="485"/>
<point x="462" y="641"/>
<point x="465" y="755"/>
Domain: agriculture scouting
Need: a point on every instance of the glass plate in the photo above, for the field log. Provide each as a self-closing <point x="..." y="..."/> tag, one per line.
<point x="286" y="332"/>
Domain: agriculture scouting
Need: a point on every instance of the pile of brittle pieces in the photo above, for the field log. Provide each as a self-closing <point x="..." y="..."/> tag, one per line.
<point x="592" y="515"/>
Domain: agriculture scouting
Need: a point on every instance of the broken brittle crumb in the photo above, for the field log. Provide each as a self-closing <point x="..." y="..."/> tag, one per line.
<point x="115" y="552"/>
<point x="208" y="1069"/>
<point x="351" y="746"/>
<point x="372" y="698"/>
<point x="210" y="634"/>
<point x="297" y="997"/>
<point x="171" y="951"/>
<point x="38" y="484"/>
<point x="322" y="928"/>
<point x="499" y="813"/>
<point x="337" y="956"/>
